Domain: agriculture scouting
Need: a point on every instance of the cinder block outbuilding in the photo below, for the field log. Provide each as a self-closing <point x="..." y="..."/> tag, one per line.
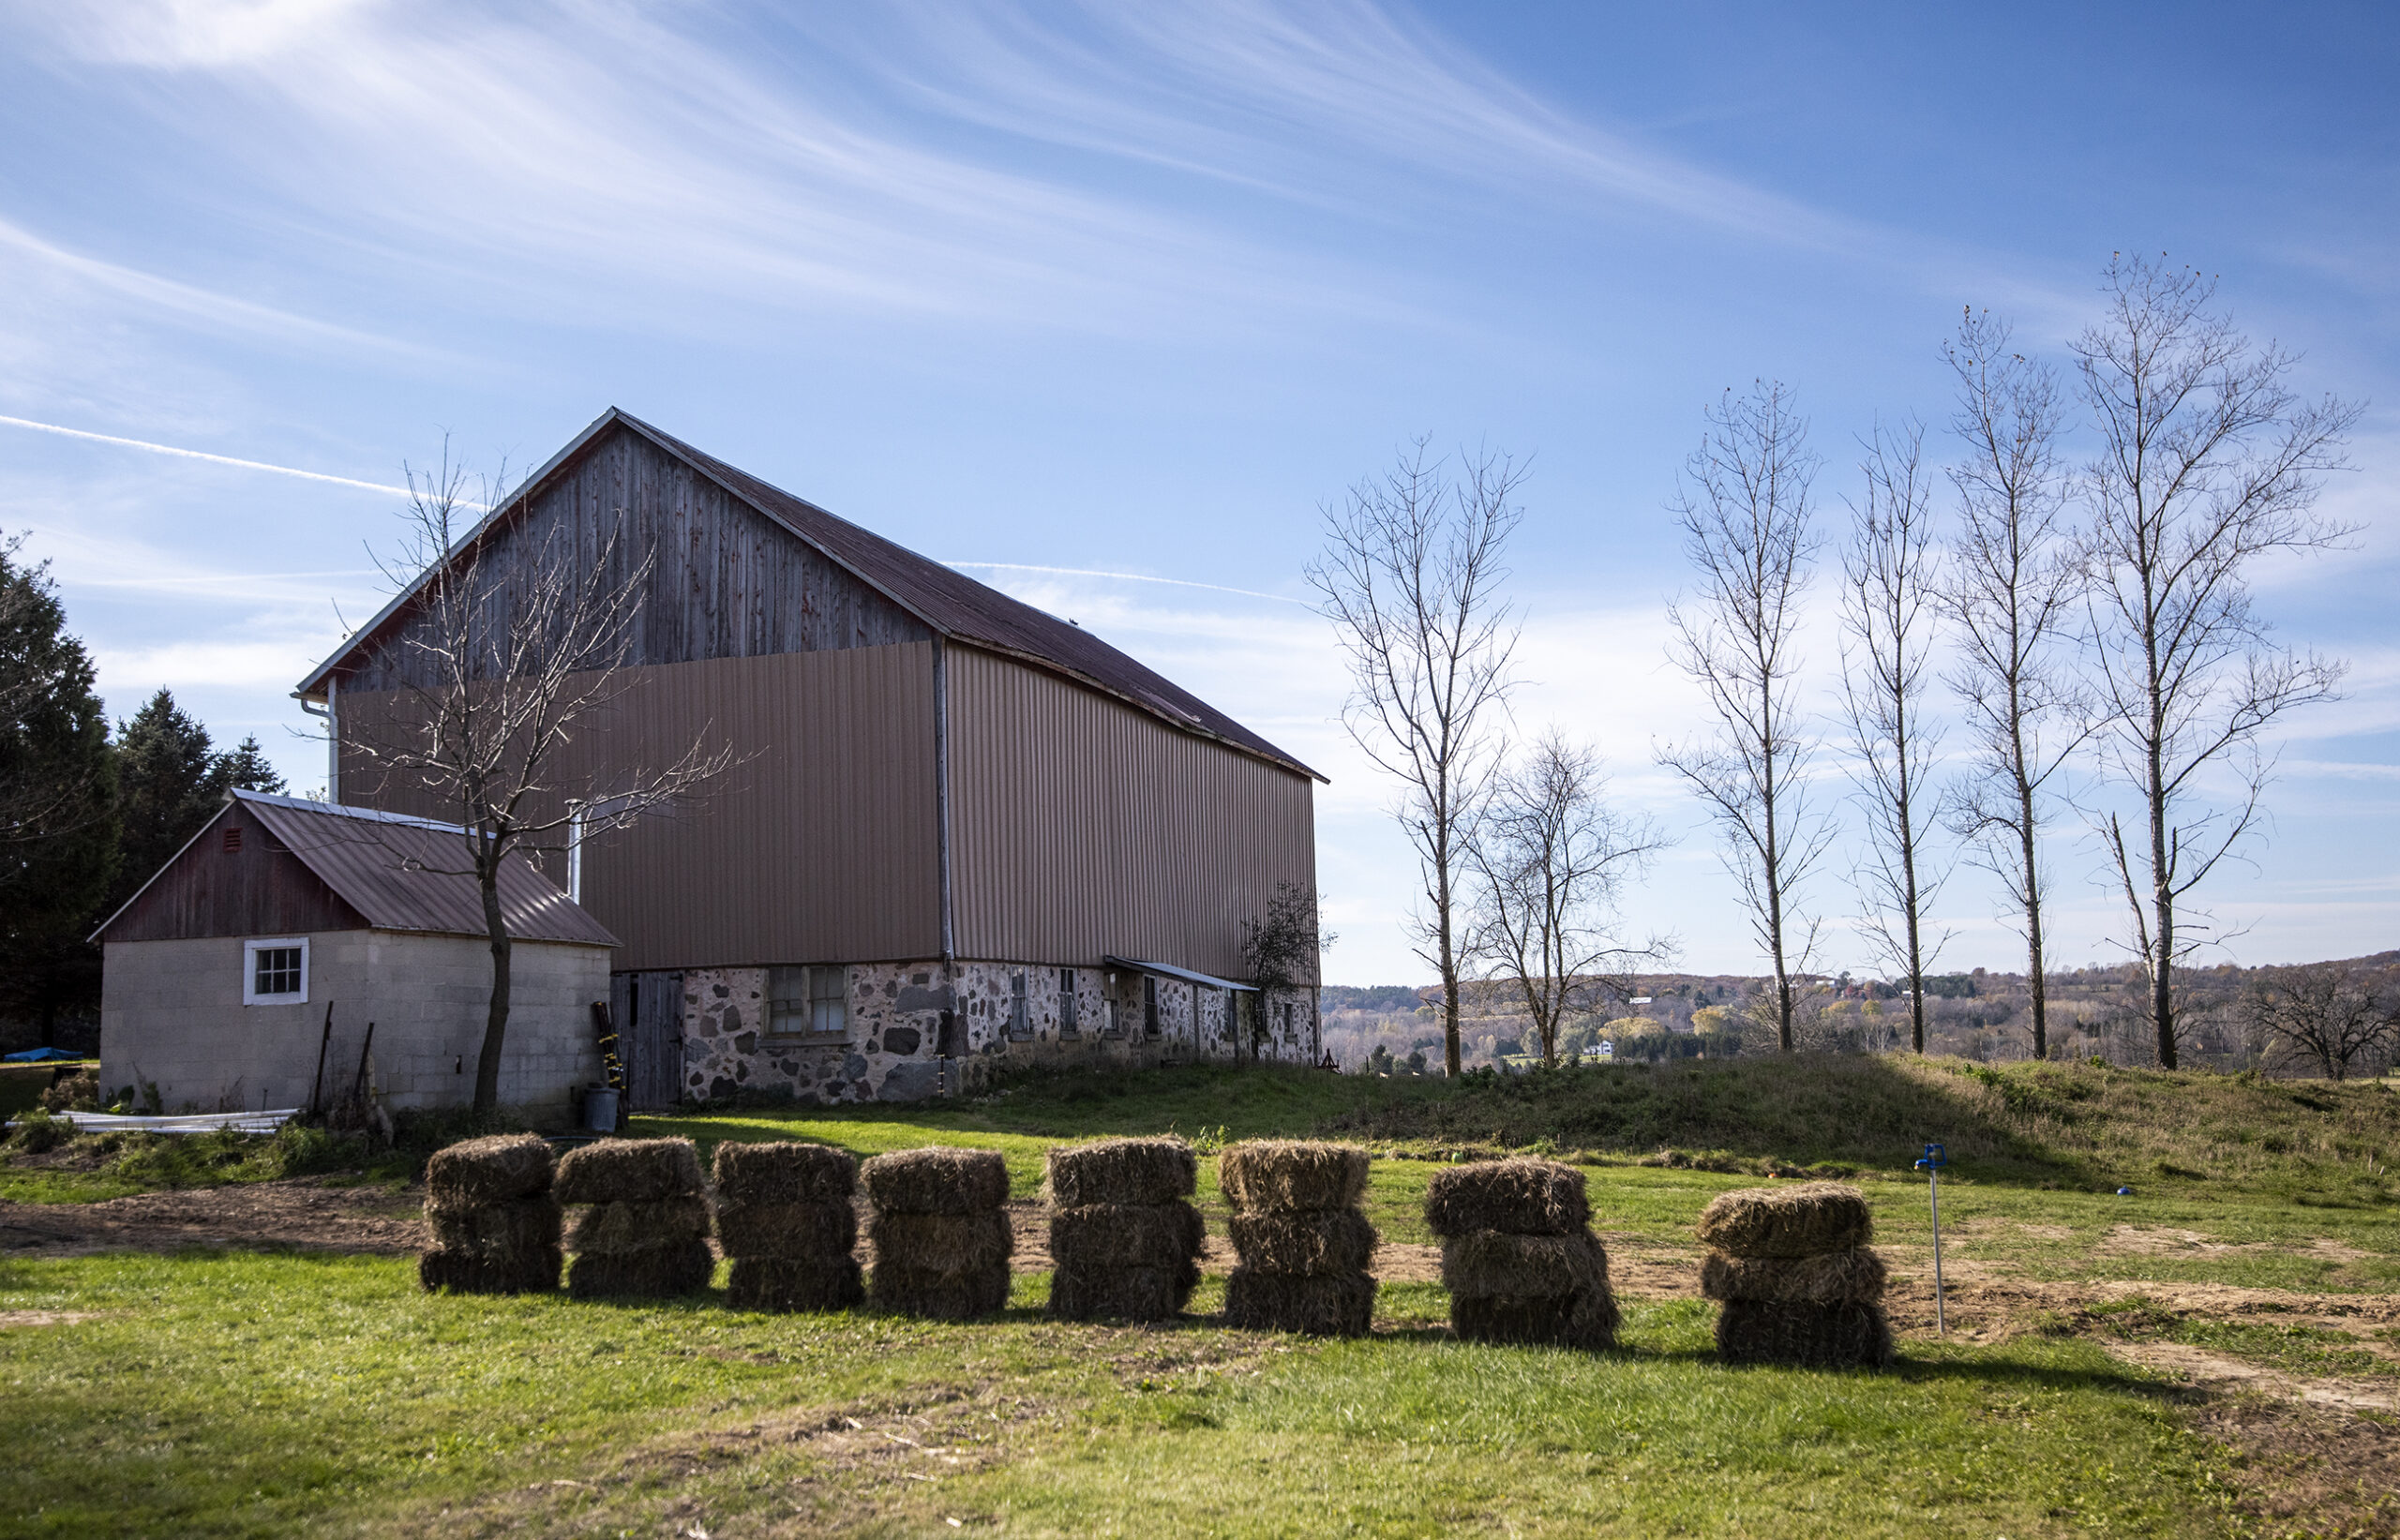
<point x="220" y="976"/>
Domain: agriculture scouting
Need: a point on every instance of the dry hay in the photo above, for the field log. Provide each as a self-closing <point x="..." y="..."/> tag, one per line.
<point x="942" y="1295"/>
<point x="494" y="1229"/>
<point x="760" y="1284"/>
<point x="1854" y="1276"/>
<point x="535" y="1271"/>
<point x="1757" y="1331"/>
<point x="1122" y="1293"/>
<point x="1319" y="1245"/>
<point x="784" y="1173"/>
<point x="1342" y="1305"/>
<point x="1291" y="1176"/>
<point x="625" y="1229"/>
<point x="1587" y="1320"/>
<point x="787" y="1232"/>
<point x="1804" y="1220"/>
<point x="1517" y="1197"/>
<point x="1121" y="1171"/>
<point x="937" y="1180"/>
<point x="942" y="1243"/>
<point x="488" y="1171"/>
<point x="630" y="1171"/>
<point x="1490" y="1264"/>
<point x="655" y="1273"/>
<point x="1095" y="1236"/>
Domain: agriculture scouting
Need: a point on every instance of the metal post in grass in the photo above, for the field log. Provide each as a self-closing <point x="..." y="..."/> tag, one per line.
<point x="1931" y="1165"/>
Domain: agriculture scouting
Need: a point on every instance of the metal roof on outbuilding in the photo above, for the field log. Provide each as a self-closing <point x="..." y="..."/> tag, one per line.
<point x="948" y="601"/>
<point x="398" y="873"/>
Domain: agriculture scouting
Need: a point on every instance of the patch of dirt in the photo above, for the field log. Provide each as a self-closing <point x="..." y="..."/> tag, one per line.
<point x="2145" y="1240"/>
<point x="2218" y="1373"/>
<point x="300" y="1212"/>
<point x="2307" y="1470"/>
<point x="45" y="1318"/>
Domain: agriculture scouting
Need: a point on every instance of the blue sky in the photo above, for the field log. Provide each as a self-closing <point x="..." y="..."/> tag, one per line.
<point x="1133" y="290"/>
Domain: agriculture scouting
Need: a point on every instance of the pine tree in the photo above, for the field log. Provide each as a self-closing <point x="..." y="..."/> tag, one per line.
<point x="247" y="769"/>
<point x="170" y="783"/>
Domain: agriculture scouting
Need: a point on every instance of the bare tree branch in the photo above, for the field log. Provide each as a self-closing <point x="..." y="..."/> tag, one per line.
<point x="1745" y="511"/>
<point x="1410" y="577"/>
<point x="2207" y="463"/>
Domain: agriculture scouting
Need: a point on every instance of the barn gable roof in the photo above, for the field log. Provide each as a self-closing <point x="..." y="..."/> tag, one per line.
<point x="401" y="874"/>
<point x="952" y="604"/>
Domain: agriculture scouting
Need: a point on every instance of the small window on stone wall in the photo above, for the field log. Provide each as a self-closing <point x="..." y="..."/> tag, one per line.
<point x="808" y="1002"/>
<point x="1067" y="1003"/>
<point x="1020" y="1019"/>
<point x="1149" y="1006"/>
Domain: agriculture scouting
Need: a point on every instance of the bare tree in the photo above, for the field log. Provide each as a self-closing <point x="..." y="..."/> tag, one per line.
<point x="1550" y="859"/>
<point x="1745" y="515"/>
<point x="503" y="658"/>
<point x="1888" y="610"/>
<point x="2326" y="1014"/>
<point x="2012" y="594"/>
<point x="2209" y="461"/>
<point x="1281" y="946"/>
<point x="1410" y="577"/>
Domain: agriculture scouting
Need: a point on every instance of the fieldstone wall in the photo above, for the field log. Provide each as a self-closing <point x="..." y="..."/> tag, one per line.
<point x="893" y="1050"/>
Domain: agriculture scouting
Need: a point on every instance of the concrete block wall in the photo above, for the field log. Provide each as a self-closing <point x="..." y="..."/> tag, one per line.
<point x="171" y="1015"/>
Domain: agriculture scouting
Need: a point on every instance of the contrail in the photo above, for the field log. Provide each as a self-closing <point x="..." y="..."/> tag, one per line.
<point x="198" y="455"/>
<point x="1126" y="577"/>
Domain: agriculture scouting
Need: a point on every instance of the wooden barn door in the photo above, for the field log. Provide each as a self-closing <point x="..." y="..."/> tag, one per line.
<point x="649" y="1006"/>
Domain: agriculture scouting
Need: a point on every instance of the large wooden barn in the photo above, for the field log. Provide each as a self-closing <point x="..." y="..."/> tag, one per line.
<point x="958" y="828"/>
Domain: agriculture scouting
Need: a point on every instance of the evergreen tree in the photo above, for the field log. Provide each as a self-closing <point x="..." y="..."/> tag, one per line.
<point x="58" y="824"/>
<point x="169" y="784"/>
<point x="247" y="769"/>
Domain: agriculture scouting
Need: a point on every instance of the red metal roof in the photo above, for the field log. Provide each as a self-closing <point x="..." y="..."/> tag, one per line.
<point x="407" y="873"/>
<point x="948" y="601"/>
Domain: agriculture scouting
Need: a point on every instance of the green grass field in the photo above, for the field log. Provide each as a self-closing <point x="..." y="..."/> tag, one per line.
<point x="231" y="1392"/>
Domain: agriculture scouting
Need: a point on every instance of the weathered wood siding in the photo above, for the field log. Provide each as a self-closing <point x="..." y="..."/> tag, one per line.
<point x="260" y="890"/>
<point x="1080" y="826"/>
<point x="817" y="847"/>
<point x="726" y="581"/>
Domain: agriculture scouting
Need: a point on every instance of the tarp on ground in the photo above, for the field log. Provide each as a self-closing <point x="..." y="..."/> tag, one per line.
<point x="41" y="1056"/>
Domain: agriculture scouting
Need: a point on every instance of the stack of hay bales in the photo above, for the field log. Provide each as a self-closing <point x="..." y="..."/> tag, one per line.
<point x="784" y="1216"/>
<point x="494" y="1219"/>
<point x="1798" y="1283"/>
<point x="1125" y="1240"/>
<point x="941" y="1237"/>
<point x="647" y="1230"/>
<point x="1302" y="1242"/>
<point x="1519" y="1256"/>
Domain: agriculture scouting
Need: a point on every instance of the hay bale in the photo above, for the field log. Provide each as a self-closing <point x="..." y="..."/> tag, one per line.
<point x="1095" y="1236"/>
<point x="1139" y="1172"/>
<point x="1759" y="1331"/>
<point x="760" y="1284"/>
<point x="942" y="1243"/>
<point x="1318" y="1244"/>
<point x="494" y="1229"/>
<point x="630" y="1171"/>
<point x="653" y="1274"/>
<point x="628" y="1229"/>
<point x="1804" y="1220"/>
<point x="1289" y="1177"/>
<point x="936" y="1180"/>
<point x="1517" y="1197"/>
<point x="784" y="1173"/>
<point x="533" y="1271"/>
<point x="787" y="1232"/>
<point x="1342" y="1305"/>
<point x="1587" y="1321"/>
<point x="940" y="1296"/>
<point x="1854" y="1276"/>
<point x="1490" y="1264"/>
<point x="1122" y="1293"/>
<point x="488" y="1171"/>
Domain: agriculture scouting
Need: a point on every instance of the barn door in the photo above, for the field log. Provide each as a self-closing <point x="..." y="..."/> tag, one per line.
<point x="652" y="1003"/>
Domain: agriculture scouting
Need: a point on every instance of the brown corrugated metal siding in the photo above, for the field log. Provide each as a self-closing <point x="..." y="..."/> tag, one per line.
<point x="817" y="847"/>
<point x="1080" y="826"/>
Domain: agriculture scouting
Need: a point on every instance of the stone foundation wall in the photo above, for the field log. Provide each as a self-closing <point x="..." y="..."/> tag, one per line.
<point x="893" y="1051"/>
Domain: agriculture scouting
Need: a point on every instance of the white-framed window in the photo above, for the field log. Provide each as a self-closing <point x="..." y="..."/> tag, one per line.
<point x="808" y="1002"/>
<point x="274" y="971"/>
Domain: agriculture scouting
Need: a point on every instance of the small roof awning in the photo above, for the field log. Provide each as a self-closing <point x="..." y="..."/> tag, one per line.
<point x="1171" y="971"/>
